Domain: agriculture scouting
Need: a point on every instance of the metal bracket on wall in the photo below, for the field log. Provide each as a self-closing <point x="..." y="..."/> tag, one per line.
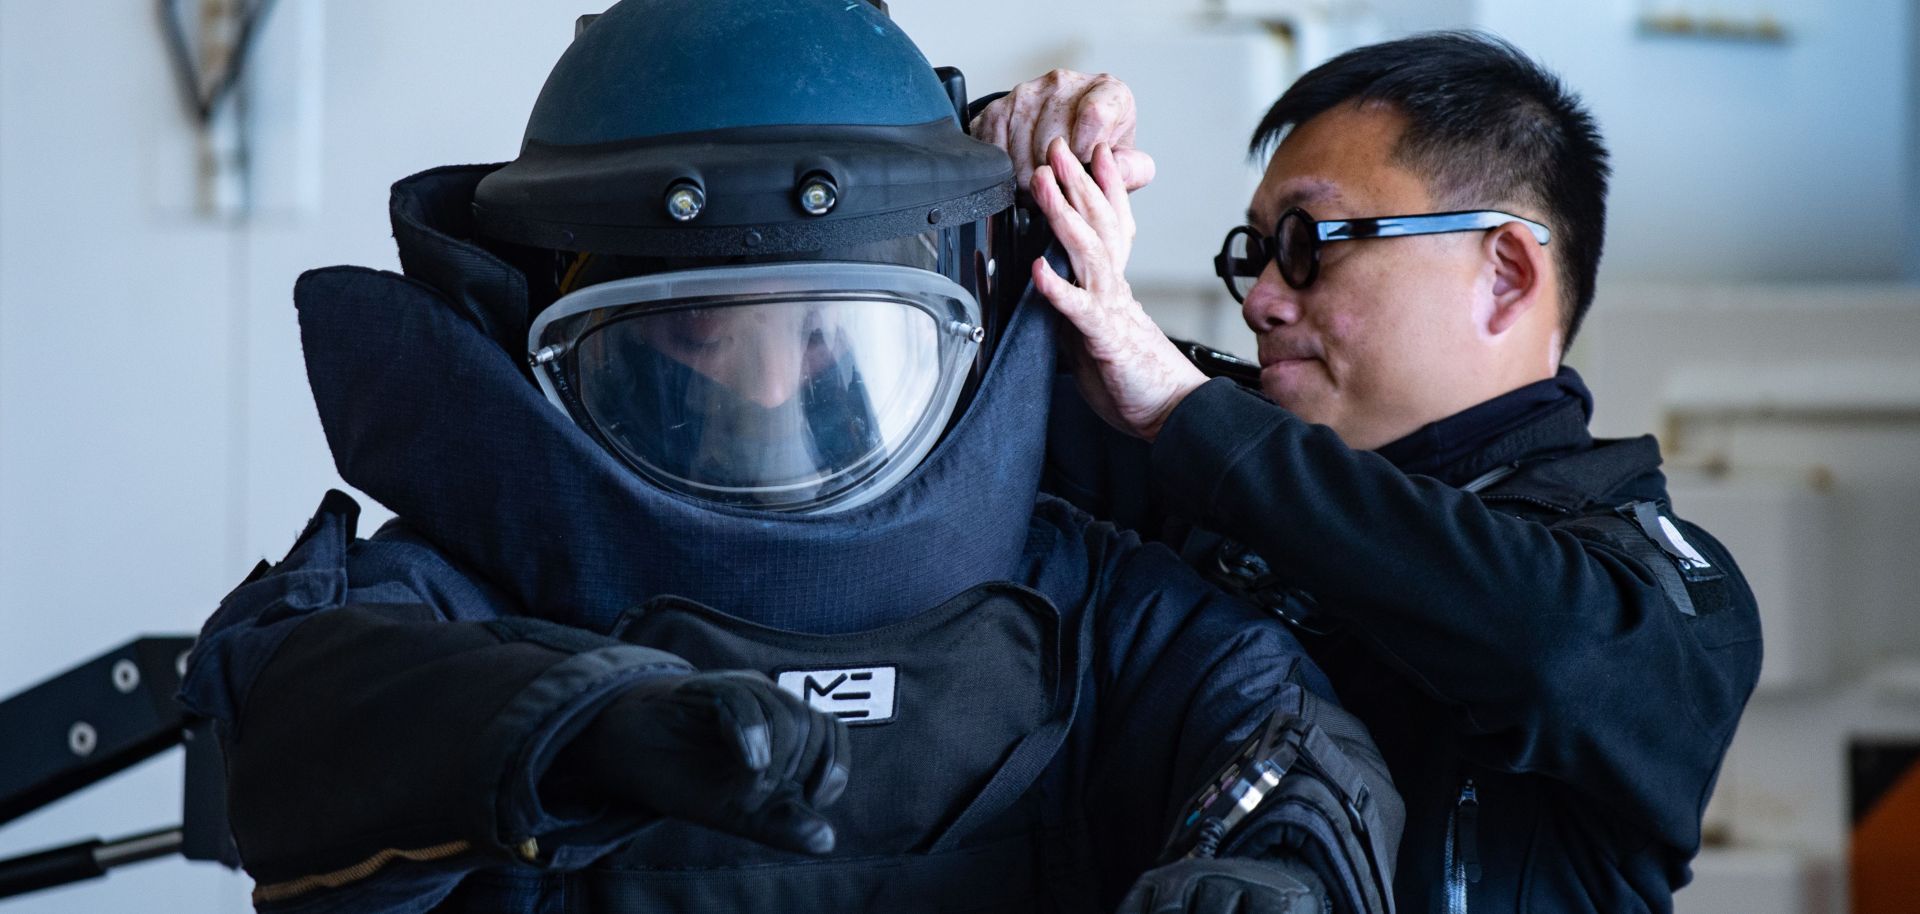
<point x="250" y="74"/>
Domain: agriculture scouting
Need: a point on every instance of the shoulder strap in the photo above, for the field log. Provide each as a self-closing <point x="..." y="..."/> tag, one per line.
<point x="1575" y="483"/>
<point x="1624" y="534"/>
<point x="1642" y="528"/>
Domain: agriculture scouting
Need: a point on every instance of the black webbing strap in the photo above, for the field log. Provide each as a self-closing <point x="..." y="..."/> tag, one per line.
<point x="1630" y="538"/>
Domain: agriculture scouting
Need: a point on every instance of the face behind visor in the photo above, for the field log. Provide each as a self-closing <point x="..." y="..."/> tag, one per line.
<point x="796" y="386"/>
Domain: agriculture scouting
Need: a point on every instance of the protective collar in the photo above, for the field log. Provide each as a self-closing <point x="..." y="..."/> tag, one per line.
<point x="428" y="411"/>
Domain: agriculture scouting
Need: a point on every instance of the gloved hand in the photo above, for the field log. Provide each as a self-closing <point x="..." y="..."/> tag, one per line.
<point x="1228" y="886"/>
<point x="727" y="750"/>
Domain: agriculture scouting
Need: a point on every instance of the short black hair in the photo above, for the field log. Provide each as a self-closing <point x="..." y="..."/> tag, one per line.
<point x="1486" y="126"/>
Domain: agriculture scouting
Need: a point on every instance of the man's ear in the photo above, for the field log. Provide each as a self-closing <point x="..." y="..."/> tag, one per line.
<point x="1520" y="271"/>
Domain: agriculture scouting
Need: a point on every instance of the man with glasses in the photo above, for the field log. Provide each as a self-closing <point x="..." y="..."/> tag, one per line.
<point x="1551" y="660"/>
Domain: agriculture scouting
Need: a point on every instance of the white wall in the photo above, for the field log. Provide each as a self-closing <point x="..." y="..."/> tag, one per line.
<point x="1764" y="198"/>
<point x="1740" y="161"/>
<point x="1803" y="399"/>
<point x="156" y="436"/>
<point x="1764" y="203"/>
<point x="115" y="371"/>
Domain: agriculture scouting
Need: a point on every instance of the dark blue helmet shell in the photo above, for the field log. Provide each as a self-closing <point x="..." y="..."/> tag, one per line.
<point x="652" y="68"/>
<point x="744" y="99"/>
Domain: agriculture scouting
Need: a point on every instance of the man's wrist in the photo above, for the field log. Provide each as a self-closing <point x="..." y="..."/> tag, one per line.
<point x="1186" y="387"/>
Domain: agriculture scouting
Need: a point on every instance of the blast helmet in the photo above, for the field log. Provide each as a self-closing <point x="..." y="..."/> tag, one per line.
<point x="773" y="246"/>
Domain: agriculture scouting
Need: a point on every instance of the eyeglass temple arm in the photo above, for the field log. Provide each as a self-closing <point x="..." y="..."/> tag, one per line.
<point x="1428" y="224"/>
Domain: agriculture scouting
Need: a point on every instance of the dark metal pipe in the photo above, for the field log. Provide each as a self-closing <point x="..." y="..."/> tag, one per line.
<point x="84" y="860"/>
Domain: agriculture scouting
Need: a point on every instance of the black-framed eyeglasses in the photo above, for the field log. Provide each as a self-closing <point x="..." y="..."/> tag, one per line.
<point x="1297" y="238"/>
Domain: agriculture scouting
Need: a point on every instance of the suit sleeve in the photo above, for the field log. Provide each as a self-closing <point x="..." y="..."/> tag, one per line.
<point x="1186" y="675"/>
<point x="1557" y="654"/>
<point x="384" y="736"/>
<point x="1097" y="468"/>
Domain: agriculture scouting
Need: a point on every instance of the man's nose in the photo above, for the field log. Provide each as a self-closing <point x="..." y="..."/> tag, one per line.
<point x="1271" y="303"/>
<point x="771" y="390"/>
<point x="775" y="373"/>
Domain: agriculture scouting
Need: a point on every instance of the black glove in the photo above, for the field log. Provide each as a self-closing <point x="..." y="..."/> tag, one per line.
<point x="1228" y="886"/>
<point x="727" y="750"/>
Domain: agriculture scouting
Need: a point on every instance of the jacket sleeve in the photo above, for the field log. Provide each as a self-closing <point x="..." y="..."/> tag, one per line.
<point x="1558" y="654"/>
<point x="1186" y="675"/>
<point x="385" y="734"/>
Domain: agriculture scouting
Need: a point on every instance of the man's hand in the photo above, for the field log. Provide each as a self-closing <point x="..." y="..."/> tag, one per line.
<point x="1227" y="886"/>
<point x="1084" y="110"/>
<point x="1128" y="370"/>
<point x="729" y="750"/>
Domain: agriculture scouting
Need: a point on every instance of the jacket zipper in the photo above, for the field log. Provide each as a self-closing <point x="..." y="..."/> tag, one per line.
<point x="1462" y="851"/>
<point x="1527" y="499"/>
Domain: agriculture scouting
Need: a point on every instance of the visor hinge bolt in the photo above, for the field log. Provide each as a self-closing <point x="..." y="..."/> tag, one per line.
<point x="545" y="354"/>
<point x="818" y="194"/>
<point x="685" y="200"/>
<point x="973" y="332"/>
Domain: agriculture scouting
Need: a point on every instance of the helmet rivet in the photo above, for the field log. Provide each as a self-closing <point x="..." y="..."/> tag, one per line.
<point x="818" y="194"/>
<point x="933" y="217"/>
<point x="685" y="200"/>
<point x="752" y="239"/>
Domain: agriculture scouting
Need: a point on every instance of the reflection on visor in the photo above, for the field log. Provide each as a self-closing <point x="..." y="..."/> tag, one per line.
<point x="765" y="402"/>
<point x="919" y="250"/>
<point x="796" y="390"/>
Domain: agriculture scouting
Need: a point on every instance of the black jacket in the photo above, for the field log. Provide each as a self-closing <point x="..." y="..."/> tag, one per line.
<point x="1552" y="690"/>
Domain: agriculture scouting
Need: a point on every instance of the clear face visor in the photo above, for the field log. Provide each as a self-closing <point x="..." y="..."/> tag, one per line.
<point x="809" y="386"/>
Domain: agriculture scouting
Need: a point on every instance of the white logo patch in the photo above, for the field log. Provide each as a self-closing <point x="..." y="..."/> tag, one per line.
<point x="857" y="695"/>
<point x="1689" y="555"/>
